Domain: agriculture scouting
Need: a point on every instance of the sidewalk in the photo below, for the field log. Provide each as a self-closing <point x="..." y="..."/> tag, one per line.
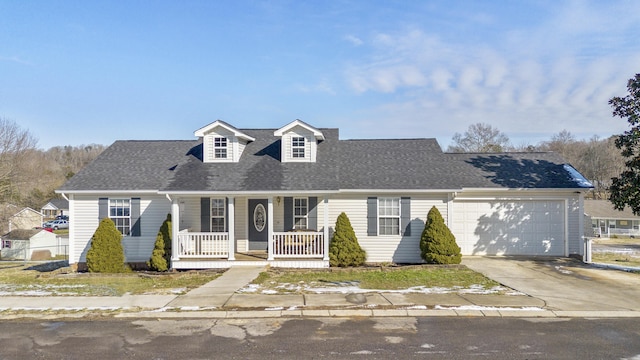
<point x="549" y="295"/>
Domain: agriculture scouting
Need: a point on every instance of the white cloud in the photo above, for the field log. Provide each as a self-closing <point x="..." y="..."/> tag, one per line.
<point x="533" y="81"/>
<point x="354" y="40"/>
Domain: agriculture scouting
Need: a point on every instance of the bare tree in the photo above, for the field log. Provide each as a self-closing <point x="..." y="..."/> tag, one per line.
<point x="15" y="144"/>
<point x="480" y="138"/>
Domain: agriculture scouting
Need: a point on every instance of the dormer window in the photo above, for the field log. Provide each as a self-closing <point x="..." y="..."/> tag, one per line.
<point x="220" y="147"/>
<point x="297" y="147"/>
<point x="299" y="142"/>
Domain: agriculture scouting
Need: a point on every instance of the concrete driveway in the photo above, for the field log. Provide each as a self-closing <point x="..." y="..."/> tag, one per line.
<point x="563" y="284"/>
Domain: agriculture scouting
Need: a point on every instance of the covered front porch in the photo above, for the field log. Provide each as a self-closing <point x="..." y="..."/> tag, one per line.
<point x="223" y="231"/>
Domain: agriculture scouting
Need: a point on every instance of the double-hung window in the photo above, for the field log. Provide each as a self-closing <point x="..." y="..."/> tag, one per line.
<point x="297" y="147"/>
<point x="218" y="215"/>
<point x="120" y="214"/>
<point x="300" y="213"/>
<point x="220" y="147"/>
<point x="389" y="216"/>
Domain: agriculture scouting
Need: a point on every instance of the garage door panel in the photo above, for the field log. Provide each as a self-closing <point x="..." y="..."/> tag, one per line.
<point x="509" y="228"/>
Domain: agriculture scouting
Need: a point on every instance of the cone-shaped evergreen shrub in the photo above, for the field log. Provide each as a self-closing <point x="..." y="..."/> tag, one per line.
<point x="159" y="260"/>
<point x="344" y="249"/>
<point x="106" y="254"/>
<point x="437" y="243"/>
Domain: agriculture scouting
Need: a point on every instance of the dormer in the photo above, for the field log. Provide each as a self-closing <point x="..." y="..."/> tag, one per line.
<point x="222" y="142"/>
<point x="299" y="141"/>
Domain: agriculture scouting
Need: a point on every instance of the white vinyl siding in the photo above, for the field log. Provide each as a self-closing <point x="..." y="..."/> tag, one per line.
<point x="212" y="146"/>
<point x="309" y="150"/>
<point x="381" y="249"/>
<point x="510" y="227"/>
<point x="153" y="210"/>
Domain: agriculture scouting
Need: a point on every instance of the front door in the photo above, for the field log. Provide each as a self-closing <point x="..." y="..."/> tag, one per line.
<point x="258" y="224"/>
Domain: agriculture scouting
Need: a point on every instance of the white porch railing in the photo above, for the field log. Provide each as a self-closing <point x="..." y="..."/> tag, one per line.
<point x="623" y="232"/>
<point x="307" y="244"/>
<point x="203" y="244"/>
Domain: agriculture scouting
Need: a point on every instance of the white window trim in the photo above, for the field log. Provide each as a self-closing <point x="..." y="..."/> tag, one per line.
<point x="223" y="217"/>
<point x="217" y="145"/>
<point x="114" y="217"/>
<point x="294" y="147"/>
<point x="399" y="216"/>
<point x="305" y="216"/>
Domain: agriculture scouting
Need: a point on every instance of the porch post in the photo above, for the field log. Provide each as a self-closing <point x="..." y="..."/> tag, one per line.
<point x="175" y="229"/>
<point x="270" y="229"/>
<point x="232" y="229"/>
<point x="325" y="200"/>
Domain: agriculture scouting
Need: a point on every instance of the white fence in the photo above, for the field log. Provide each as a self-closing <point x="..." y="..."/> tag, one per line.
<point x="307" y="244"/>
<point x="203" y="245"/>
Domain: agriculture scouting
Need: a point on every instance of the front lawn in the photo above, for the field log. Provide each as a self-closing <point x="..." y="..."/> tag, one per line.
<point x="391" y="279"/>
<point x="18" y="279"/>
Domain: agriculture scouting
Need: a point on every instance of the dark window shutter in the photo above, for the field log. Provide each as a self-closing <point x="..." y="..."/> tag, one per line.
<point x="103" y="208"/>
<point x="405" y="216"/>
<point x="135" y="217"/>
<point x="205" y="214"/>
<point x="288" y="213"/>
<point x="312" y="216"/>
<point x="372" y="216"/>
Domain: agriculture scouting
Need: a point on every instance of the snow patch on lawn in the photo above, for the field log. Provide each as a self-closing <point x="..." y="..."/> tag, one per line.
<point x="353" y="288"/>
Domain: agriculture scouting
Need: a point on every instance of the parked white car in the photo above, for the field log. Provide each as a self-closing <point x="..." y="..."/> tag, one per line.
<point x="57" y="224"/>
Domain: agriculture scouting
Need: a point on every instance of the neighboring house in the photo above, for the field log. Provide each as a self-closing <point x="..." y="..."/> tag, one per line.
<point x="280" y="191"/>
<point x="18" y="243"/>
<point x="606" y="221"/>
<point x="26" y="218"/>
<point x="55" y="207"/>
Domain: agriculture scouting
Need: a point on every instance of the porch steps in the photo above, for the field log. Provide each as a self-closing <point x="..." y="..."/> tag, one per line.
<point x="216" y="293"/>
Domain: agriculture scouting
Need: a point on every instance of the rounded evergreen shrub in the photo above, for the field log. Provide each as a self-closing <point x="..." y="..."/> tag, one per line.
<point x="437" y="243"/>
<point x="106" y="254"/>
<point x="344" y="249"/>
<point x="161" y="254"/>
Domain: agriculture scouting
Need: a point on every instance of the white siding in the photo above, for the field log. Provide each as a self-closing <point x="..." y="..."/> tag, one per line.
<point x="396" y="249"/>
<point x="575" y="226"/>
<point x="242" y="242"/>
<point x="84" y="220"/>
<point x="309" y="142"/>
<point x="208" y="145"/>
<point x="153" y="211"/>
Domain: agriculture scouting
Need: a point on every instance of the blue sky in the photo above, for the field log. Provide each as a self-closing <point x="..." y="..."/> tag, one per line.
<point x="82" y="72"/>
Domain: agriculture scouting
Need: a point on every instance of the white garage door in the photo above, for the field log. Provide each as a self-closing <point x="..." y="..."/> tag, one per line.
<point x="509" y="228"/>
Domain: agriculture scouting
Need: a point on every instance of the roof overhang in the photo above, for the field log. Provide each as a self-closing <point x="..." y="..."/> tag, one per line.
<point x="317" y="133"/>
<point x="219" y="123"/>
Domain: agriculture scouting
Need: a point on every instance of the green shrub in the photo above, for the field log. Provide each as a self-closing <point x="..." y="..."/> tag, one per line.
<point x="437" y="243"/>
<point x="106" y="254"/>
<point x="161" y="254"/>
<point x="344" y="249"/>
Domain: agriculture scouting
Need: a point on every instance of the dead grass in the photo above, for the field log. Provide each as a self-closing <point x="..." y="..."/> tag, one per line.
<point x="377" y="278"/>
<point x="616" y="259"/>
<point x="19" y="279"/>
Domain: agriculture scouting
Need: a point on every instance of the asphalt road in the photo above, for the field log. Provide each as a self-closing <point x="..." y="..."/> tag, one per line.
<point x="330" y="338"/>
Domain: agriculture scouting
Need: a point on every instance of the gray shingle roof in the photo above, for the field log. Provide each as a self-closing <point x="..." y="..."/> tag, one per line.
<point x="603" y="209"/>
<point x="341" y="164"/>
<point x="130" y="165"/>
<point x="260" y="168"/>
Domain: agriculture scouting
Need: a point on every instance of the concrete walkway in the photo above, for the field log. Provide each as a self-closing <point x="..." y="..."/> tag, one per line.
<point x="216" y="293"/>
